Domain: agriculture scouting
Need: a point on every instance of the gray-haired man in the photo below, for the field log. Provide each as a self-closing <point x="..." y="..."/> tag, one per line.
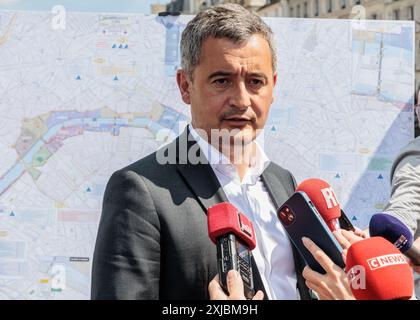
<point x="153" y="240"/>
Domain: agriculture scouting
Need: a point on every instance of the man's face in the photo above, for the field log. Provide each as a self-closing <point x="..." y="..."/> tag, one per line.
<point x="232" y="86"/>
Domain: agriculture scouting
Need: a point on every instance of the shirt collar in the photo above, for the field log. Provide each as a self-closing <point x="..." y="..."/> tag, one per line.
<point x="221" y="164"/>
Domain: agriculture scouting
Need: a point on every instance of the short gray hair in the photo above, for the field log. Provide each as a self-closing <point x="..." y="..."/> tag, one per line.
<point x="230" y="21"/>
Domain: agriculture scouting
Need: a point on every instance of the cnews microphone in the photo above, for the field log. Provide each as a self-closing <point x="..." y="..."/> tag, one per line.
<point x="378" y="271"/>
<point x="325" y="201"/>
<point x="234" y="236"/>
<point x="396" y="232"/>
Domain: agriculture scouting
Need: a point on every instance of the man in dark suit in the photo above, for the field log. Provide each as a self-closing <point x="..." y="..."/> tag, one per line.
<point x="153" y="240"/>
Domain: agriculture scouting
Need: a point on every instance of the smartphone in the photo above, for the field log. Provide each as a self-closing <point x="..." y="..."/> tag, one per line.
<point x="300" y="219"/>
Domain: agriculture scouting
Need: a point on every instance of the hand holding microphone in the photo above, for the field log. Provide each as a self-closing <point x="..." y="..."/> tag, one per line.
<point x="235" y="288"/>
<point x="395" y="281"/>
<point x="234" y="236"/>
<point x="416" y="244"/>
<point x="333" y="284"/>
<point x="375" y="270"/>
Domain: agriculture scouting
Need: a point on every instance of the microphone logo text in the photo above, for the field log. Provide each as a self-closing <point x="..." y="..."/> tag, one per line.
<point x="386" y="261"/>
<point x="330" y="197"/>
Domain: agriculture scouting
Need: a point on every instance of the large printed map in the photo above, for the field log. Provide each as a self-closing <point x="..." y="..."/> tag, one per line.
<point x="79" y="103"/>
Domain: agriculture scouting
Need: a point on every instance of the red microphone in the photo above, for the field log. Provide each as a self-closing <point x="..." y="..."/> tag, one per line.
<point x="324" y="199"/>
<point x="234" y="236"/>
<point x="378" y="271"/>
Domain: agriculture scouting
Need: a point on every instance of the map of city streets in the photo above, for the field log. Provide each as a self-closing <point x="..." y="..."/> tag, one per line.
<point x="78" y="103"/>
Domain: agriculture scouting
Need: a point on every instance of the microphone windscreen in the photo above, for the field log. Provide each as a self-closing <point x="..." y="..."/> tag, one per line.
<point x="322" y="196"/>
<point x="224" y="218"/>
<point x="392" y="229"/>
<point x="378" y="271"/>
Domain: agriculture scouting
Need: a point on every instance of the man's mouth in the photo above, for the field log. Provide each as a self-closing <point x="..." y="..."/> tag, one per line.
<point x="237" y="121"/>
<point x="238" y="118"/>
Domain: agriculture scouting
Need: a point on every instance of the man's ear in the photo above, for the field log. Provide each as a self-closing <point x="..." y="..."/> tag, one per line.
<point x="274" y="79"/>
<point x="274" y="85"/>
<point x="182" y="79"/>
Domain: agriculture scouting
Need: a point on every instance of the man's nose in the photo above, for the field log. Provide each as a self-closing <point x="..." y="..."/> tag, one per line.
<point x="240" y="98"/>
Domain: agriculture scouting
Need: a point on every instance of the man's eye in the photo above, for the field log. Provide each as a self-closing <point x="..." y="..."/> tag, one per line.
<point x="221" y="81"/>
<point x="256" y="82"/>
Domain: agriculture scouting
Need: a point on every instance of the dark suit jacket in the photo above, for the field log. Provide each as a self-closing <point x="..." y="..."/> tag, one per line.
<point x="153" y="240"/>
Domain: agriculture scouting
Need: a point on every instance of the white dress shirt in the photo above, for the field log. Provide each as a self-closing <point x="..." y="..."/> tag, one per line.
<point x="273" y="254"/>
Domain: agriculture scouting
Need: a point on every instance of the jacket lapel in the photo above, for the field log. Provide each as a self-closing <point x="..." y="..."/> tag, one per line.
<point x="274" y="186"/>
<point x="197" y="173"/>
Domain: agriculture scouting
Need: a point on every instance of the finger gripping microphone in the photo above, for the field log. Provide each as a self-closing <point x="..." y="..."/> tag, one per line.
<point x="324" y="199"/>
<point x="378" y="271"/>
<point x="396" y="232"/>
<point x="234" y="236"/>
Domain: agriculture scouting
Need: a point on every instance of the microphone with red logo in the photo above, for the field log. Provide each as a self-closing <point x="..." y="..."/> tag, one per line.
<point x="325" y="201"/>
<point x="396" y="232"/>
<point x="378" y="271"/>
<point x="234" y="236"/>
